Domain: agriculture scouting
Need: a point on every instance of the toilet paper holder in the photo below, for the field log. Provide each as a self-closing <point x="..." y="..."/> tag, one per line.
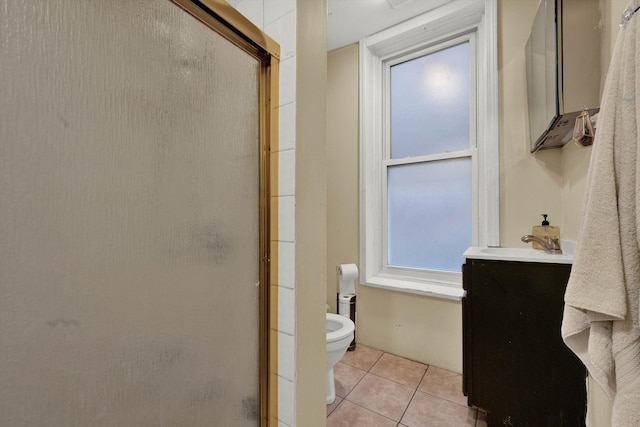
<point x="347" y="308"/>
<point x="346" y="297"/>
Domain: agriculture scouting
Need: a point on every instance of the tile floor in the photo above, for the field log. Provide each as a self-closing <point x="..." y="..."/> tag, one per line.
<point x="378" y="389"/>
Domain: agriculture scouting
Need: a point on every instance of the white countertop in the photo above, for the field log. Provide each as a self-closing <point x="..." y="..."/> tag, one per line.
<point x="523" y="254"/>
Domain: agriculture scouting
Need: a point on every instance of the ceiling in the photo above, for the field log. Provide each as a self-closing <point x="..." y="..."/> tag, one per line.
<point x="348" y="21"/>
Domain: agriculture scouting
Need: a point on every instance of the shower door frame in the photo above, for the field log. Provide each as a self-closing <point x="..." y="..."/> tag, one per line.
<point x="228" y="22"/>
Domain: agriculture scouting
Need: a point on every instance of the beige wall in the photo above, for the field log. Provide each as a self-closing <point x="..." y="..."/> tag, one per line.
<point x="426" y="329"/>
<point x="551" y="181"/>
<point x="311" y="213"/>
<point x="387" y="320"/>
<point x="529" y="183"/>
<point x="343" y="164"/>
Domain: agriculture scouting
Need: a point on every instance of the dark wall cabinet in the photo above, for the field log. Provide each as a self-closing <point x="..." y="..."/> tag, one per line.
<point x="516" y="366"/>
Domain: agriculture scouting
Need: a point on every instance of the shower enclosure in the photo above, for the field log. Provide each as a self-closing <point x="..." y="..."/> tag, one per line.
<point x="134" y="222"/>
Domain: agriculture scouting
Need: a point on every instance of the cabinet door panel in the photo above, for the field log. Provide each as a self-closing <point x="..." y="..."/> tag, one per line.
<point x="517" y="362"/>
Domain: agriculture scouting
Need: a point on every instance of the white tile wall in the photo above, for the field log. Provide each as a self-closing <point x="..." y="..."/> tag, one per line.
<point x="278" y="19"/>
<point x="281" y="30"/>
<point x="275" y="9"/>
<point x="253" y="10"/>
<point x="286" y="395"/>
<point x="287" y="81"/>
<point x="287" y="126"/>
<point x="286" y="349"/>
<point x="287" y="173"/>
<point x="286" y="266"/>
<point x="286" y="311"/>
<point x="286" y="218"/>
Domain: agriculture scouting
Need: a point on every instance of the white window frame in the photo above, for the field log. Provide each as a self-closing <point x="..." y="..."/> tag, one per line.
<point x="475" y="20"/>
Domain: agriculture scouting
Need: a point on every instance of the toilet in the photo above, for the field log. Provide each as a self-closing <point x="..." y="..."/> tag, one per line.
<point x="339" y="336"/>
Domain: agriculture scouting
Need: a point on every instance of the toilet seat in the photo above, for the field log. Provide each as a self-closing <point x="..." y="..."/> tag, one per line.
<point x="338" y="327"/>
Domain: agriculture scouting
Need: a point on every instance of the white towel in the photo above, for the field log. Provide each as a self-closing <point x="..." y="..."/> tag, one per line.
<point x="601" y="315"/>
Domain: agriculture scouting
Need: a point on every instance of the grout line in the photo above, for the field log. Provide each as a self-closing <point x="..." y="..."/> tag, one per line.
<point x="370" y="367"/>
<point x="394" y="381"/>
<point x="376" y="362"/>
<point x="337" y="406"/>
<point x="355" y="385"/>
<point x="372" y="411"/>
<point x="447" y="400"/>
<point x="413" y="395"/>
<point x="415" y="390"/>
<point x="353" y="366"/>
<point x="444" y="397"/>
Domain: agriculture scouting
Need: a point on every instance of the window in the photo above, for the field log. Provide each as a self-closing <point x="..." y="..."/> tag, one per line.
<point x="428" y="158"/>
<point x="429" y="162"/>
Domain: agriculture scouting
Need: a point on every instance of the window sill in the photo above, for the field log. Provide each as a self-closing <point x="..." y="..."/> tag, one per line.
<point x="430" y="289"/>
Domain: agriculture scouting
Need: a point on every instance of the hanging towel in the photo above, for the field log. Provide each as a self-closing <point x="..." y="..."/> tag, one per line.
<point x="601" y="315"/>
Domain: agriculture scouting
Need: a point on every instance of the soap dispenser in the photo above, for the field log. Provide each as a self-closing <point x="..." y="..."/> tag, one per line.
<point x="544" y="231"/>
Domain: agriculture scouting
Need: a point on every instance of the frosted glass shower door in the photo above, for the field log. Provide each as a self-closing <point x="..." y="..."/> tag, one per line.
<point x="129" y="218"/>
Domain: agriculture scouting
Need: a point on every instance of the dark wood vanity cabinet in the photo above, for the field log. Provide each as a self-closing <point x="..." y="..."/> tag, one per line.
<point x="515" y="364"/>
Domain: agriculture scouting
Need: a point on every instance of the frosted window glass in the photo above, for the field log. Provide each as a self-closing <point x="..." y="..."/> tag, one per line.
<point x="129" y="207"/>
<point x="429" y="214"/>
<point x="429" y="103"/>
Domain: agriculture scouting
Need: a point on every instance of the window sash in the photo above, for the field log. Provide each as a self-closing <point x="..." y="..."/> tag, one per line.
<point x="430" y="205"/>
<point x="387" y="161"/>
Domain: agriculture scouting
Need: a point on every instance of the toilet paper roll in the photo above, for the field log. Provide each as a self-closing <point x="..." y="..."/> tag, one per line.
<point x="347" y="274"/>
<point x="344" y="305"/>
